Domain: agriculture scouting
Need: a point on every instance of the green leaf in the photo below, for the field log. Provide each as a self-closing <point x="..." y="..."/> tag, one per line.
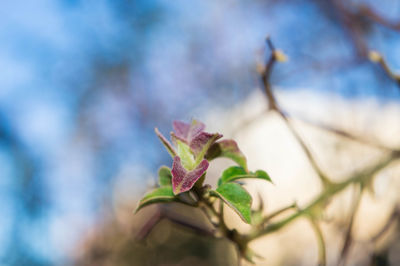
<point x="164" y="176"/>
<point x="230" y="173"/>
<point x="161" y="194"/>
<point x="236" y="197"/>
<point x="202" y="143"/>
<point x="187" y="158"/>
<point x="229" y="149"/>
<point x="235" y="172"/>
<point x="263" y="175"/>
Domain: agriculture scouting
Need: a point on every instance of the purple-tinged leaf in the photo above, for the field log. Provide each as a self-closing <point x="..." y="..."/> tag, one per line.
<point x="229" y="149"/>
<point x="202" y="142"/>
<point x="186" y="132"/>
<point x="182" y="179"/>
<point x="181" y="130"/>
<point x="194" y="136"/>
<point x="166" y="143"/>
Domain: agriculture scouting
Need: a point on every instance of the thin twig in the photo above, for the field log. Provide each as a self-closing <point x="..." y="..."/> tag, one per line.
<point x="273" y="105"/>
<point x="321" y="242"/>
<point x="353" y="26"/>
<point x="369" y="13"/>
<point x="265" y="76"/>
<point x="376" y="57"/>
<point x="278" y="212"/>
<point x="324" y="179"/>
<point x="393" y="218"/>
<point x="348" y="238"/>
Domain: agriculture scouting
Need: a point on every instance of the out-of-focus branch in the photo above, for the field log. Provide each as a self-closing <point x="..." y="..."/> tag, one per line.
<point x="266" y="219"/>
<point x="277" y="55"/>
<point x="330" y="189"/>
<point x="324" y="179"/>
<point x="394" y="217"/>
<point x="349" y="238"/>
<point x="353" y="25"/>
<point x="369" y="13"/>
<point x="325" y="196"/>
<point x="266" y="73"/>
<point x="376" y="57"/>
<point x="321" y="241"/>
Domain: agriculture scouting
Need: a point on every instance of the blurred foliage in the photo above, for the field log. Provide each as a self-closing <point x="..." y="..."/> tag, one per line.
<point x="160" y="235"/>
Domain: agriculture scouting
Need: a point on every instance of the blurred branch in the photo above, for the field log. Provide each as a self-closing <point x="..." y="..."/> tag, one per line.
<point x="278" y="212"/>
<point x="324" y="179"/>
<point x="348" y="238"/>
<point x="376" y="57"/>
<point x="354" y="26"/>
<point x="330" y="189"/>
<point x="321" y="242"/>
<point x="395" y="215"/>
<point x="369" y="13"/>
<point x="266" y="74"/>
<point x="324" y="197"/>
<point x="356" y="29"/>
<point x="276" y="55"/>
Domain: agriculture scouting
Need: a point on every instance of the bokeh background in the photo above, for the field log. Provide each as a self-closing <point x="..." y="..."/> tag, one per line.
<point x="84" y="83"/>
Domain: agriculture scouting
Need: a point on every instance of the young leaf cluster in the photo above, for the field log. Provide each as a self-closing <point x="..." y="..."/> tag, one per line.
<point x="192" y="149"/>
